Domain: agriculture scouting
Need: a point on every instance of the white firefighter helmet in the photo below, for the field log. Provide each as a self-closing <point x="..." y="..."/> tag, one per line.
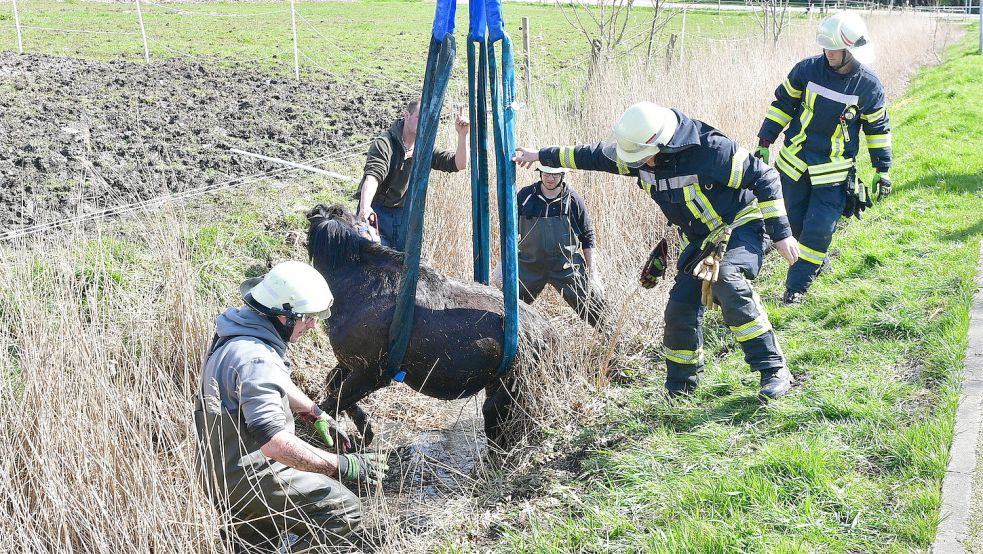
<point x="846" y="31"/>
<point x="552" y="170"/>
<point x="640" y="133"/>
<point x="290" y="289"/>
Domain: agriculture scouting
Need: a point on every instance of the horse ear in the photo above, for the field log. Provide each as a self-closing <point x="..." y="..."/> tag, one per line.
<point x="317" y="211"/>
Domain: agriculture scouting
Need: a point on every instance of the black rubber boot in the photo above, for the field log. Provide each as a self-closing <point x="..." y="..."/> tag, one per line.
<point x="791" y="298"/>
<point x="775" y="383"/>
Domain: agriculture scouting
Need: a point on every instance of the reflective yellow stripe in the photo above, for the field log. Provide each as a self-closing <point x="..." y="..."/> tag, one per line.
<point x="873" y="116"/>
<point x="792" y="91"/>
<point x="778" y="116"/>
<point x="788" y="164"/>
<point x="566" y="157"/>
<point x="878" y="141"/>
<point x="752" y="329"/>
<point x="808" y="107"/>
<point x="812" y="256"/>
<point x="837" y="143"/>
<point x="737" y="168"/>
<point x="834" y="165"/>
<point x="772" y="208"/>
<point x="836" y="177"/>
<point x="623" y="168"/>
<point x="701" y="208"/>
<point x="688" y="357"/>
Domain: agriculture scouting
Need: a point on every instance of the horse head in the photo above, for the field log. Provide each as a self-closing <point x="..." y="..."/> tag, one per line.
<point x="332" y="239"/>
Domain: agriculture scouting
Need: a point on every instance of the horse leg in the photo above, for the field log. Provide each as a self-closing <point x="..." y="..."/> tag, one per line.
<point x="498" y="411"/>
<point x="361" y="420"/>
<point x="346" y="389"/>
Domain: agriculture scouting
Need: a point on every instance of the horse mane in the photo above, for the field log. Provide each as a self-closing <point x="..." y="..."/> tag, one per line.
<point x="332" y="240"/>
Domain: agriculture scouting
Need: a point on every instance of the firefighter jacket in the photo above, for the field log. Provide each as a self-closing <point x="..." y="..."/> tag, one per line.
<point x="824" y="112"/>
<point x="702" y="181"/>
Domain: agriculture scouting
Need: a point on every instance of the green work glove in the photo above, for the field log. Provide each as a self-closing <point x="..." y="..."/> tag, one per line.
<point x="882" y="184"/>
<point x="763" y="154"/>
<point x="328" y="429"/>
<point x="370" y="467"/>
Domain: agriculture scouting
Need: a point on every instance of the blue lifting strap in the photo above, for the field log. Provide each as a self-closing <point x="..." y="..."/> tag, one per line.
<point x="481" y="227"/>
<point x="503" y="123"/>
<point x="487" y="28"/>
<point x="482" y="69"/>
<point x="440" y="61"/>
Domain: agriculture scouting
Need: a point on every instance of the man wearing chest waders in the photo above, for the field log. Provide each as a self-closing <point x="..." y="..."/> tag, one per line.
<point x="556" y="245"/>
<point x="279" y="491"/>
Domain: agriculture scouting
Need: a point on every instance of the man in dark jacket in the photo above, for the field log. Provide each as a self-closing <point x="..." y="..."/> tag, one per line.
<point x="825" y="102"/>
<point x="278" y="489"/>
<point x="386" y="175"/>
<point x="710" y="188"/>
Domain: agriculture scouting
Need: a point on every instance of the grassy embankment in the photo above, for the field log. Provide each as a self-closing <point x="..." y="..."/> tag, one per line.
<point x="852" y="460"/>
<point x="373" y="39"/>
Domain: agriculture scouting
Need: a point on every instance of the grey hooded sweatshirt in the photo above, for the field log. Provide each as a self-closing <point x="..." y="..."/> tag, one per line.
<point x="243" y="403"/>
<point x="243" y="400"/>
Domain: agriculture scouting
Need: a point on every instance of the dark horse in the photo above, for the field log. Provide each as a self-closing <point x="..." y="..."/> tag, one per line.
<point x="456" y="344"/>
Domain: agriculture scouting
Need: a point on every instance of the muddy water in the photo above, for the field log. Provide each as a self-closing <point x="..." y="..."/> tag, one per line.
<point x="83" y="135"/>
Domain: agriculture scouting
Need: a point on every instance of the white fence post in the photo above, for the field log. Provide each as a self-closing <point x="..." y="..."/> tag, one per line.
<point x="682" y="36"/>
<point x="293" y="23"/>
<point x="20" y="43"/>
<point x="143" y="33"/>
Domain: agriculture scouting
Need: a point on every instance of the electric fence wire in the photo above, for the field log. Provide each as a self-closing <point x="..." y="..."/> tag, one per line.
<point x="343" y="51"/>
<point x="75" y="31"/>
<point x="185" y="12"/>
<point x="210" y="58"/>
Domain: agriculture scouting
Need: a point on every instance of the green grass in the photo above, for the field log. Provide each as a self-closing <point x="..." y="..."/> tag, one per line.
<point x="375" y="39"/>
<point x="852" y="460"/>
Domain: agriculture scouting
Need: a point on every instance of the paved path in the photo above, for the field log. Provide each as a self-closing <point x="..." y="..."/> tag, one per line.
<point x="957" y="488"/>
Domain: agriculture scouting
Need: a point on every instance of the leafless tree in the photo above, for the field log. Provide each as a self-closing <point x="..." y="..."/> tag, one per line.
<point x="602" y="23"/>
<point x="772" y="17"/>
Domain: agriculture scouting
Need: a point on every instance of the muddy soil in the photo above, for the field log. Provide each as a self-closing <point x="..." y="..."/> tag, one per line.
<point x="83" y="135"/>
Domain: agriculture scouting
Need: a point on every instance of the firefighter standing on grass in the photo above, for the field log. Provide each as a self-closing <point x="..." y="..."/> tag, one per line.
<point x="707" y="186"/>
<point x="825" y="102"/>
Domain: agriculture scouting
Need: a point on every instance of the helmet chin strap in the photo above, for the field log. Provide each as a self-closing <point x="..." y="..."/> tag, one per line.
<point x="558" y="184"/>
<point x="285" y="330"/>
<point x="847" y="60"/>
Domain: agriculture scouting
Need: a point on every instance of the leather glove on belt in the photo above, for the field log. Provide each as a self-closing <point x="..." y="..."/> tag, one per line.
<point x="655" y="267"/>
<point x="707" y="268"/>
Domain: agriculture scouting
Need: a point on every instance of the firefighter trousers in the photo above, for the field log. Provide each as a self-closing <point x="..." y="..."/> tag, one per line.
<point x="812" y="214"/>
<point x="742" y="310"/>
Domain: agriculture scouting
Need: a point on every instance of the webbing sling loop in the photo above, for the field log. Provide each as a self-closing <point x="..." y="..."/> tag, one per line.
<point x="440" y="61"/>
<point x="485" y="16"/>
<point x="486" y="28"/>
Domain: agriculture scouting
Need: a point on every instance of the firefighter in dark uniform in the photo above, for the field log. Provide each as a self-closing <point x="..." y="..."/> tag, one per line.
<point x="709" y="188"/>
<point x="556" y="245"/>
<point x="825" y="102"/>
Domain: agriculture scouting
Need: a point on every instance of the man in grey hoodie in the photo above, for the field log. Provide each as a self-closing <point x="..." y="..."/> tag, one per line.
<point x="277" y="488"/>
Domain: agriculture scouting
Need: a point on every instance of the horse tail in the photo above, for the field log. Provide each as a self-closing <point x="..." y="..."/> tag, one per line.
<point x="331" y="241"/>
